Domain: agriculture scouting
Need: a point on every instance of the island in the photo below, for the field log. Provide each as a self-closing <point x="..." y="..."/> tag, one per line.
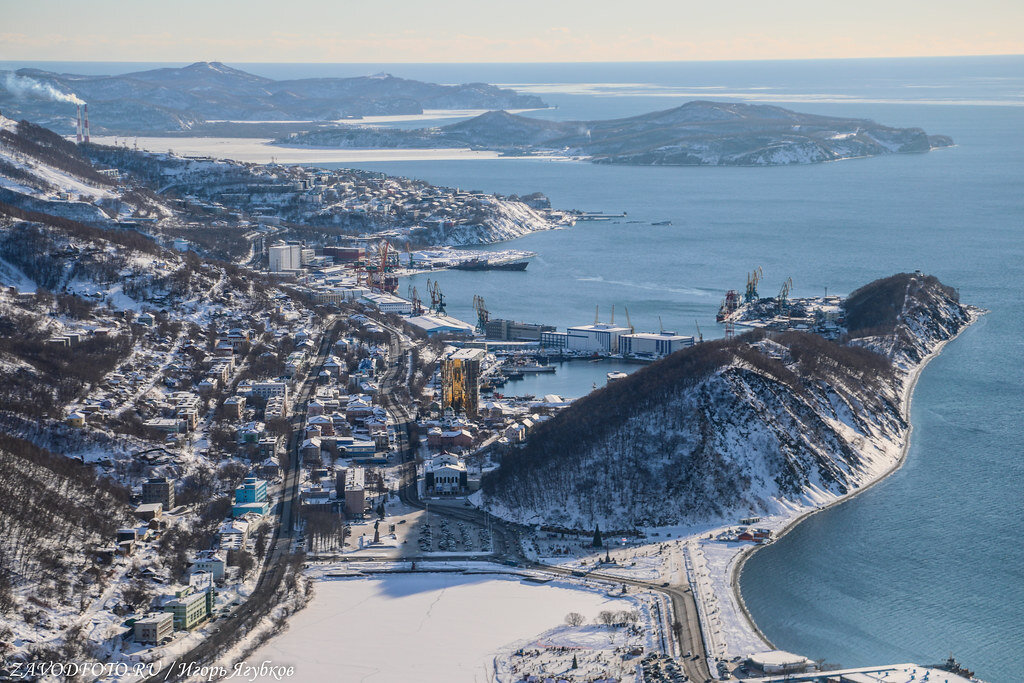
<point x="698" y="133"/>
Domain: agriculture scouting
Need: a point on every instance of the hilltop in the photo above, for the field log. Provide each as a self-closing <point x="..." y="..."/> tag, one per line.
<point x="748" y="425"/>
<point x="698" y="133"/>
<point x="185" y="98"/>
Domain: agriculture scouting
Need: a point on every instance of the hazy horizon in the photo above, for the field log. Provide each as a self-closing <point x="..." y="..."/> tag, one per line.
<point x="458" y="31"/>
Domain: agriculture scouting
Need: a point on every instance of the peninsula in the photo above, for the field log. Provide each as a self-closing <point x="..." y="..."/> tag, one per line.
<point x="698" y="133"/>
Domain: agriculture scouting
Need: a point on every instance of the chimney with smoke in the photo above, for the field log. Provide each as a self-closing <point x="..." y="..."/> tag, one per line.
<point x="78" y="125"/>
<point x="85" y="113"/>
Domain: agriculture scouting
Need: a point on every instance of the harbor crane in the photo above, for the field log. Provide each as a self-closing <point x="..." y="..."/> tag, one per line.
<point x="629" y="323"/>
<point x="750" y="295"/>
<point x="700" y="335"/>
<point x="414" y="297"/>
<point x="783" y="299"/>
<point x="436" y="297"/>
<point x="482" y="316"/>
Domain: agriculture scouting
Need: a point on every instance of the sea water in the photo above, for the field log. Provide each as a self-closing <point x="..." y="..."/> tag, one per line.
<point x="929" y="561"/>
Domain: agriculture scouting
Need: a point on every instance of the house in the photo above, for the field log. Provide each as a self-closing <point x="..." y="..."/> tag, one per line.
<point x="154" y="627"/>
<point x="269" y="468"/>
<point x="76" y="419"/>
<point x="310" y="451"/>
<point x="212" y="562"/>
<point x="445" y="474"/>
<point x="234" y="406"/>
<point x="149" y="511"/>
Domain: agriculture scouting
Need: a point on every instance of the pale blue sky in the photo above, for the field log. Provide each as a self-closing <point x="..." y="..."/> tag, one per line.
<point x="519" y="31"/>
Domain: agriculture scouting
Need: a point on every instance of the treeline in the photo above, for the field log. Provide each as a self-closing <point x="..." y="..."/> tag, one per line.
<point x="125" y="238"/>
<point x="53" y="377"/>
<point x="53" y="512"/>
<point x="53" y="150"/>
<point x="875" y="308"/>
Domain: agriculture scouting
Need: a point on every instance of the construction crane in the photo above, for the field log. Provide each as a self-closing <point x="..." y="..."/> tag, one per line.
<point x="783" y="299"/>
<point x="629" y="323"/>
<point x="482" y="316"/>
<point x="750" y="295"/>
<point x="700" y="335"/>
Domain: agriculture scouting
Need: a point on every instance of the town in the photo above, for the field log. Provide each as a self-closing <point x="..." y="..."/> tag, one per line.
<point x="252" y="407"/>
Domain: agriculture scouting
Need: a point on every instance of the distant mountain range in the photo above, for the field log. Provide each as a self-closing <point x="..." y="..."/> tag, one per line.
<point x="176" y="99"/>
<point x="698" y="133"/>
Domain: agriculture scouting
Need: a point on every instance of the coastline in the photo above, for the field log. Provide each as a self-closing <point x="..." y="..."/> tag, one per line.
<point x="909" y="386"/>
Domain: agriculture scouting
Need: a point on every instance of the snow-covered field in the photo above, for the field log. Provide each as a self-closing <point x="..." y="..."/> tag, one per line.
<point x="421" y="627"/>
<point x="259" y="150"/>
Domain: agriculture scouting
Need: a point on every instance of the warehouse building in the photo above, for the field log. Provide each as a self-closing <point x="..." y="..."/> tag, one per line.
<point x="653" y="344"/>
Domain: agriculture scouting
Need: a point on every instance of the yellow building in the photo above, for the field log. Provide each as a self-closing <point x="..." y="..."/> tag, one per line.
<point x="460" y="380"/>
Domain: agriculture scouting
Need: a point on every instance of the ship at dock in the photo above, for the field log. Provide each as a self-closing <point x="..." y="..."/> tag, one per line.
<point x="485" y="264"/>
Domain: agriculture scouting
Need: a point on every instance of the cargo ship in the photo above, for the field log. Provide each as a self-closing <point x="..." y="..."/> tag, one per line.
<point x="484" y="264"/>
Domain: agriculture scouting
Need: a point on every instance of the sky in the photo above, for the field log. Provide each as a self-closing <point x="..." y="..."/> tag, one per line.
<point x="509" y="31"/>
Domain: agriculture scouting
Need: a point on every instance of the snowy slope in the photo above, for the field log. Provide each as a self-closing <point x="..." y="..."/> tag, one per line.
<point x="730" y="427"/>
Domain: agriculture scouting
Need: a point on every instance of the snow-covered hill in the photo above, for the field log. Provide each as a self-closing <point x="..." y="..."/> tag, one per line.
<point x="750" y="425"/>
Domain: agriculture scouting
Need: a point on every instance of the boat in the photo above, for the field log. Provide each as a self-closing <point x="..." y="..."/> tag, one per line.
<point x="484" y="264"/>
<point x="535" y="367"/>
<point x="662" y="223"/>
<point x="616" y="375"/>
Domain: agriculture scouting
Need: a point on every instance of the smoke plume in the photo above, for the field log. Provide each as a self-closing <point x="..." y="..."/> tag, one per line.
<point x="22" y="86"/>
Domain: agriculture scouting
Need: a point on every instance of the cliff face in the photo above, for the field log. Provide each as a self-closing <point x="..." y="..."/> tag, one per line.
<point x="730" y="427"/>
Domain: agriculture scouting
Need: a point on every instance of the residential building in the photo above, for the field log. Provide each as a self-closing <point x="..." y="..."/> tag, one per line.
<point x="190" y="609"/>
<point x="159" y="490"/>
<point x="460" y="380"/>
<point x="285" y="257"/>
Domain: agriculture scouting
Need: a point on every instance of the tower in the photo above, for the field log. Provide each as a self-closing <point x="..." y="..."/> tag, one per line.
<point x="85" y="122"/>
<point x="78" y="124"/>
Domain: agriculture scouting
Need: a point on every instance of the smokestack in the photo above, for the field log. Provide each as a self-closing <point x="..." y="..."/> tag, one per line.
<point x="85" y="111"/>
<point x="78" y="125"/>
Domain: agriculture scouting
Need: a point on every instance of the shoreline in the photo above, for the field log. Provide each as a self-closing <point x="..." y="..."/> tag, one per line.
<point x="906" y="401"/>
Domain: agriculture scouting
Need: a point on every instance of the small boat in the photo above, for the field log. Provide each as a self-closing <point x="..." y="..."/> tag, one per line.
<point x="612" y="376"/>
<point x="662" y="223"/>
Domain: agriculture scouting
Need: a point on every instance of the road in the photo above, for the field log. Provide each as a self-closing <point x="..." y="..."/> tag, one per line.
<point x="265" y="596"/>
<point x="506" y="537"/>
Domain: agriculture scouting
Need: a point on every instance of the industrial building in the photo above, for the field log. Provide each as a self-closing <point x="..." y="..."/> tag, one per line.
<point x="653" y="344"/>
<point x="388" y="303"/>
<point x="285" y="257"/>
<point x="435" y="324"/>
<point x="595" y="338"/>
<point x="509" y="330"/>
<point x="460" y="380"/>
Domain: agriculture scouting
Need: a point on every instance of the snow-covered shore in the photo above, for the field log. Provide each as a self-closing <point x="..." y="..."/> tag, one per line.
<point x="735" y="617"/>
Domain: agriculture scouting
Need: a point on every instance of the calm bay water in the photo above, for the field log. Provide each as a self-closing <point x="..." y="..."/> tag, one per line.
<point x="929" y="561"/>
